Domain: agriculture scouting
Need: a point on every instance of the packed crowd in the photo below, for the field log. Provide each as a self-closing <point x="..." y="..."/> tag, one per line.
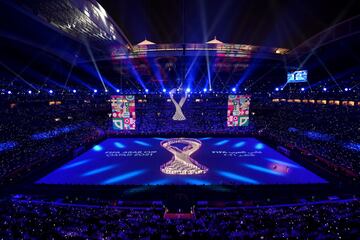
<point x="34" y="220"/>
<point x="36" y="135"/>
<point x="321" y="130"/>
<point x="41" y="134"/>
<point x="34" y="132"/>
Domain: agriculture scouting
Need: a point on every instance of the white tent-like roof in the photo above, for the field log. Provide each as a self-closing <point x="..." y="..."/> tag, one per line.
<point x="145" y="42"/>
<point x="214" y="41"/>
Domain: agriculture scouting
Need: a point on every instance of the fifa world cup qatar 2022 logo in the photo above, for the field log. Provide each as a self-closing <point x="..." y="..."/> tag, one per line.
<point x="178" y="115"/>
<point x="181" y="163"/>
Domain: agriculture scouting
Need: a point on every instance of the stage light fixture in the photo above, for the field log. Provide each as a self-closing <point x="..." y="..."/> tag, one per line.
<point x="147" y="90"/>
<point x="233" y="89"/>
<point x="277" y="89"/>
<point x="324" y="89"/>
<point x="74" y="90"/>
<point x="346" y="89"/>
<point x="164" y="90"/>
<point x="95" y="90"/>
<point x="29" y="91"/>
<point x="188" y="90"/>
<point x="9" y="92"/>
<point x="205" y="90"/>
<point x="302" y="89"/>
<point x="51" y="91"/>
<point x="117" y="90"/>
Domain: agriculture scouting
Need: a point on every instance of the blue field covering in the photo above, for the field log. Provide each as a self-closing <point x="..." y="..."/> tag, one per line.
<point x="138" y="160"/>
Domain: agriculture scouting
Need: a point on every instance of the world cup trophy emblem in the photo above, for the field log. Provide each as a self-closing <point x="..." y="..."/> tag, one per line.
<point x="181" y="163"/>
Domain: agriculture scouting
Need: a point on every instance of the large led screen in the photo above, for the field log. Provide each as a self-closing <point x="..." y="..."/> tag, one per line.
<point x="297" y="76"/>
<point x="123" y="112"/>
<point x="238" y="110"/>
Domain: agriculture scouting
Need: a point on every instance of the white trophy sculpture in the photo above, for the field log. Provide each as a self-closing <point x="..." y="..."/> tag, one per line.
<point x="179" y="115"/>
<point x="181" y="163"/>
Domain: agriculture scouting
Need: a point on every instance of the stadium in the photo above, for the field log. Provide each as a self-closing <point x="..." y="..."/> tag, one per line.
<point x="179" y="119"/>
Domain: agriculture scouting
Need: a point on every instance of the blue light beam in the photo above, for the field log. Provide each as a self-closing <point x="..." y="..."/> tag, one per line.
<point x="237" y="177"/>
<point x="259" y="146"/>
<point x="222" y="142"/>
<point x="72" y="165"/>
<point x="239" y="144"/>
<point x="97" y="148"/>
<point x="142" y="143"/>
<point x="262" y="169"/>
<point x="119" y="145"/>
<point x="98" y="170"/>
<point x="122" y="177"/>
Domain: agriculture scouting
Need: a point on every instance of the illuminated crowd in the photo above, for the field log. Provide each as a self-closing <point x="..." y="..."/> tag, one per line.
<point x="36" y="219"/>
<point x="36" y="136"/>
<point x="328" y="132"/>
<point x="34" y="132"/>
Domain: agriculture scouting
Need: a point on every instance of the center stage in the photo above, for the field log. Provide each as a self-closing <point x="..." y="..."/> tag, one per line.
<point x="179" y="161"/>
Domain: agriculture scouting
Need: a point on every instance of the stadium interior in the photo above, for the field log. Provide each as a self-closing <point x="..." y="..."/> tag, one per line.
<point x="178" y="119"/>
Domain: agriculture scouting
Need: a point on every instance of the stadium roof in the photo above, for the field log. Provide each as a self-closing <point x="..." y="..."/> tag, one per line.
<point x="214" y="41"/>
<point x="74" y="41"/>
<point x="101" y="26"/>
<point x="145" y="42"/>
<point x="271" y="23"/>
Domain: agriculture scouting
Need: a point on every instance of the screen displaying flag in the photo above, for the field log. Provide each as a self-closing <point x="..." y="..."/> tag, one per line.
<point x="123" y="112"/>
<point x="238" y="110"/>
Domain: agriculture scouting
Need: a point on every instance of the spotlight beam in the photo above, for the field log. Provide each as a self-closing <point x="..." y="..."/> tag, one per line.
<point x="70" y="70"/>
<point x="324" y="33"/>
<point x="18" y="76"/>
<point x="228" y="79"/>
<point x="137" y="76"/>
<point x="156" y="71"/>
<point x="94" y="63"/>
<point x="327" y="70"/>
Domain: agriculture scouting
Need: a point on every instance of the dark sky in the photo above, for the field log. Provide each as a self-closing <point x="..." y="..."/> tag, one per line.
<point x="277" y="23"/>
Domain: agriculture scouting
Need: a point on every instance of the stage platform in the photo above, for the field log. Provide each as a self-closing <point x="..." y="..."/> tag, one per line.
<point x="141" y="161"/>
